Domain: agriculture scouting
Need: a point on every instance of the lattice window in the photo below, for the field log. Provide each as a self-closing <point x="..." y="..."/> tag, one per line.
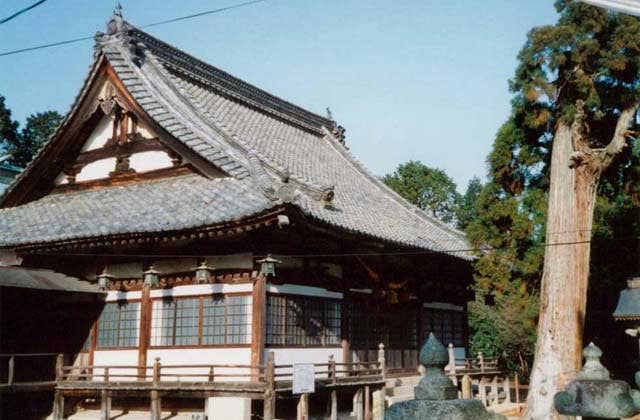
<point x="303" y="321"/>
<point x="214" y="320"/>
<point x="393" y="325"/>
<point x="276" y="320"/>
<point x="162" y="322"/>
<point x="238" y="319"/>
<point x="446" y="325"/>
<point x="187" y="322"/>
<point x="118" y="325"/>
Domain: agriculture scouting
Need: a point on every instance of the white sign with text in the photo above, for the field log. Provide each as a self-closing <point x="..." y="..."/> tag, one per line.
<point x="303" y="378"/>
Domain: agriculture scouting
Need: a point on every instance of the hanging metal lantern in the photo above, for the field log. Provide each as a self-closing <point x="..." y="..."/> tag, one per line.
<point x="203" y="273"/>
<point x="268" y="266"/>
<point x="150" y="277"/>
<point x="104" y="279"/>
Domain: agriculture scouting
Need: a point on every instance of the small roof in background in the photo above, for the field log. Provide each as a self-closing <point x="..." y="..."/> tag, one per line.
<point x="33" y="278"/>
<point x="629" y="301"/>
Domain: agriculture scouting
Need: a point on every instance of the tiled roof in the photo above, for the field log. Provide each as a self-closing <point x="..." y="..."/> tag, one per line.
<point x="169" y="204"/>
<point x="257" y="139"/>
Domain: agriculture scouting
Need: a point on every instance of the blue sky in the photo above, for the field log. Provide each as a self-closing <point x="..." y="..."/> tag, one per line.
<point x="410" y="80"/>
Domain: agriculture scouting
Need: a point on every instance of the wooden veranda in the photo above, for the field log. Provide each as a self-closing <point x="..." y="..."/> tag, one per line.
<point x="266" y="382"/>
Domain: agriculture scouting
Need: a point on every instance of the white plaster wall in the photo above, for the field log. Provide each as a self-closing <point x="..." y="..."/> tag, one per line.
<point x="288" y="356"/>
<point x="100" y="134"/>
<point x="203" y="356"/>
<point x="202" y="289"/>
<point x="60" y="179"/>
<point x="149" y="161"/>
<point x="228" y="408"/>
<point x="97" y="170"/>
<point x="293" y="289"/>
<point x="116" y="358"/>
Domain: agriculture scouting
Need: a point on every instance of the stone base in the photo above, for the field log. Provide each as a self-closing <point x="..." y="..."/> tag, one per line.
<point x="228" y="408"/>
<point x="438" y="410"/>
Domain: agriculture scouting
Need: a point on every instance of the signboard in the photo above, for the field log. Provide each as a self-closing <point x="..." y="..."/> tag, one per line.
<point x="303" y="378"/>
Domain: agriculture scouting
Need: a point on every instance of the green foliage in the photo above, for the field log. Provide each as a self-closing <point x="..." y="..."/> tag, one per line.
<point x="8" y="127"/>
<point x="505" y="330"/>
<point x="430" y="189"/>
<point x="590" y="58"/>
<point x="466" y="210"/>
<point x="34" y="134"/>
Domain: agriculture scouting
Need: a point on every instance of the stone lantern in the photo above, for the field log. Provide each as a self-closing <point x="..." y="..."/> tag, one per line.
<point x="104" y="278"/>
<point x="268" y="266"/>
<point x="203" y="273"/>
<point x="628" y="308"/>
<point x="436" y="395"/>
<point x="594" y="395"/>
<point x="150" y="277"/>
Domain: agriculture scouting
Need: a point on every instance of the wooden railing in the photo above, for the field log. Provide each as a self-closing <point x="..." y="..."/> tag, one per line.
<point x="27" y="371"/>
<point x="158" y="373"/>
<point x="247" y="381"/>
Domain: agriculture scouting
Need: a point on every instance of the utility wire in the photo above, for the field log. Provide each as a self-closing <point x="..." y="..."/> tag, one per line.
<point x="16" y="14"/>
<point x="327" y="255"/>
<point x="71" y="41"/>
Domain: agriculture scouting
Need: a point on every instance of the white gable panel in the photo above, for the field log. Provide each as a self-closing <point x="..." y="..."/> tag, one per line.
<point x="97" y="170"/>
<point x="100" y="135"/>
<point x="149" y="161"/>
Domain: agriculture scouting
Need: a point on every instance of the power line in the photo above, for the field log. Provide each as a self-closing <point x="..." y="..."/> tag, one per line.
<point x="325" y="255"/>
<point x="18" y="13"/>
<point x="71" y="41"/>
<point x="222" y="9"/>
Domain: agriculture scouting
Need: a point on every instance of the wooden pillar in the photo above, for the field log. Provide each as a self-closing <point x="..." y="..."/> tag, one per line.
<point x="303" y="407"/>
<point x="367" y="403"/>
<point x="258" y="323"/>
<point x="269" y="409"/>
<point x="155" y="406"/>
<point x="93" y="343"/>
<point x="155" y="397"/>
<point x="482" y="391"/>
<point x="506" y="388"/>
<point x="105" y="405"/>
<point x="10" y="370"/>
<point x="378" y="403"/>
<point x="333" y="411"/>
<point x="495" y="395"/>
<point x="346" y="354"/>
<point x="358" y="412"/>
<point x="145" y="331"/>
<point x="58" y="406"/>
<point x="467" y="392"/>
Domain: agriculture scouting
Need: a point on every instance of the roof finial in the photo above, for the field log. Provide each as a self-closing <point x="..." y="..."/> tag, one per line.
<point x="115" y="24"/>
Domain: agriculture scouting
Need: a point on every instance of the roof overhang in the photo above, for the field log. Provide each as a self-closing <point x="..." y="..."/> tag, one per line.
<point x="31" y="278"/>
<point x="630" y="7"/>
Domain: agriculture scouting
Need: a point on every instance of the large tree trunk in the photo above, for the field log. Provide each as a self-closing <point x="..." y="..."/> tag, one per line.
<point x="574" y="176"/>
<point x="572" y="195"/>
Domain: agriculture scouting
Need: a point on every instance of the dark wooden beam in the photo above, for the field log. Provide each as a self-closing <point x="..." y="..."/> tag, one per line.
<point x="258" y="322"/>
<point x="124" y="178"/>
<point x="131" y="147"/>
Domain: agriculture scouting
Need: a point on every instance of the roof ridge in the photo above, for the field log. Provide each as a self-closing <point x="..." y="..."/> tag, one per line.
<point x="228" y="84"/>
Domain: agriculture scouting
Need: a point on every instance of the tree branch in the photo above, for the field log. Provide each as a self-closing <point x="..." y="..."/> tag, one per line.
<point x="619" y="139"/>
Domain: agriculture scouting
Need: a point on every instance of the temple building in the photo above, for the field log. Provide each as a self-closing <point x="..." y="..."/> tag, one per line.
<point x="223" y="222"/>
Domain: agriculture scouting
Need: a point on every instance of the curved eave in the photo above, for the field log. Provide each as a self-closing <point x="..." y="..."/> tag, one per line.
<point x="216" y="231"/>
